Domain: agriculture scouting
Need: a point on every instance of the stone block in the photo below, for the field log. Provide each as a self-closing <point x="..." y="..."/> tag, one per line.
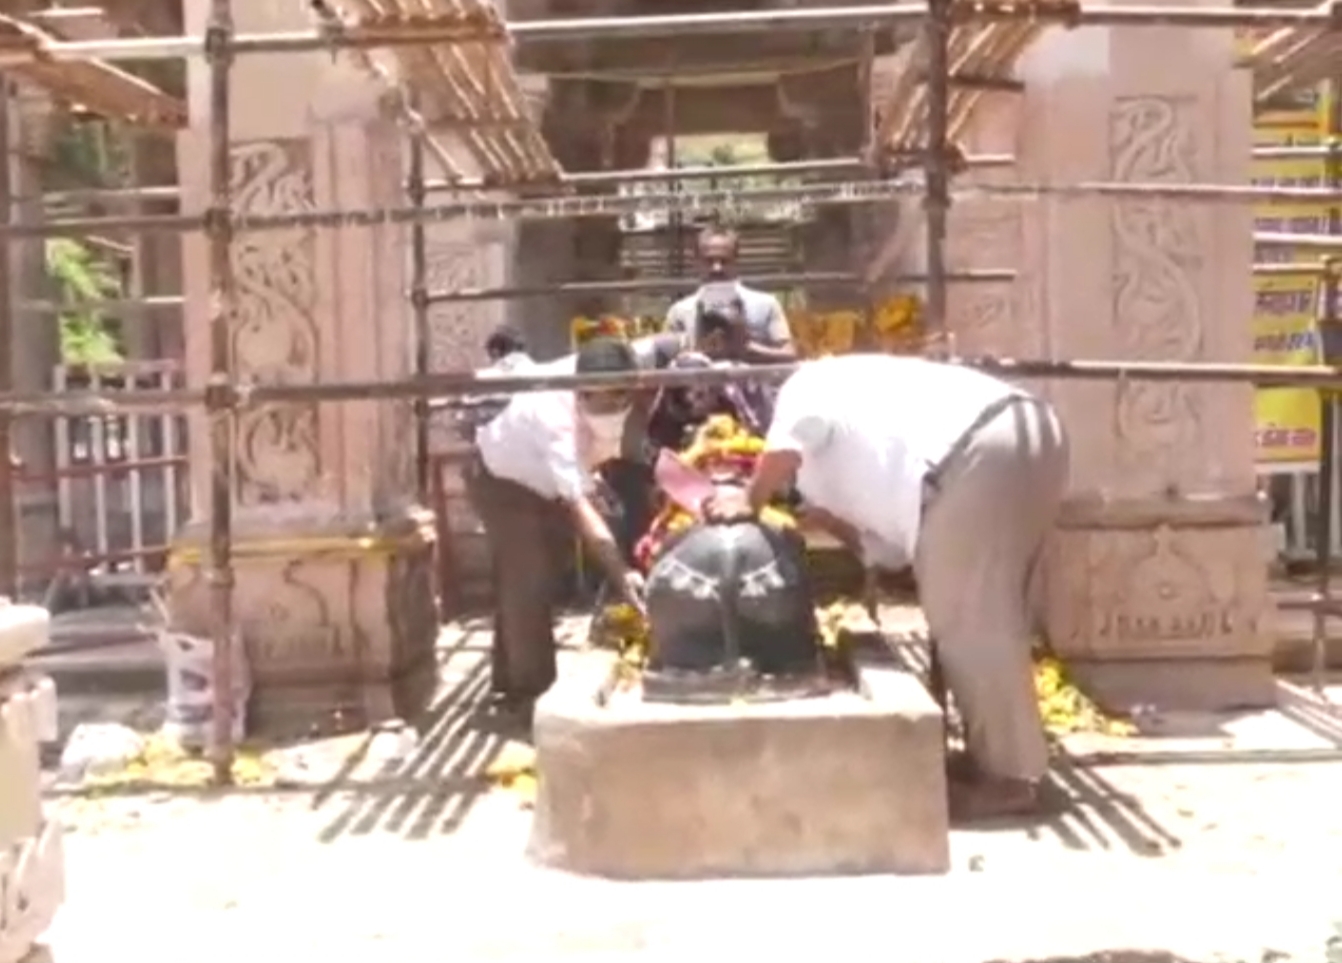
<point x="1163" y="603"/>
<point x="849" y="783"/>
<point x="27" y="713"/>
<point x="339" y="617"/>
<point x="32" y="888"/>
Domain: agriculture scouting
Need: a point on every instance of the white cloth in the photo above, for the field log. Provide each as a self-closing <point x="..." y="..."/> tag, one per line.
<point x="868" y="428"/>
<point x="509" y="364"/>
<point x="534" y="440"/>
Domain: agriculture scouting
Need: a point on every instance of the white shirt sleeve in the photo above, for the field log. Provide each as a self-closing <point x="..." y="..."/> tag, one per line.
<point x="779" y="331"/>
<point x="878" y="553"/>
<point x="800" y="422"/>
<point x="559" y="449"/>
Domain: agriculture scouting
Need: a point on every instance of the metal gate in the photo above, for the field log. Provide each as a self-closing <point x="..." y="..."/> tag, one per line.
<point x="121" y="480"/>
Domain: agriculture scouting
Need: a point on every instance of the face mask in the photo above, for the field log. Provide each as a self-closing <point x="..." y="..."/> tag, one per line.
<point x="607" y="434"/>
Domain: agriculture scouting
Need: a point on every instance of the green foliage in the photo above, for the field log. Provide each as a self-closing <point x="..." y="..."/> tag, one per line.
<point x="84" y="152"/>
<point x="77" y="275"/>
<point x="90" y="153"/>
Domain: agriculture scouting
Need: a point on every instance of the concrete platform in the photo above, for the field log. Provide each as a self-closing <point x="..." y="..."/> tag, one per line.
<point x="848" y="783"/>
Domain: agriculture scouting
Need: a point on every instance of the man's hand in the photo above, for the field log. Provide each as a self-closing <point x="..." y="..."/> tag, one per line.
<point x="727" y="505"/>
<point x="635" y="591"/>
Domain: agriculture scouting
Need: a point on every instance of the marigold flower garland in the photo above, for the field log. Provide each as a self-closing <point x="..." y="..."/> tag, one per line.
<point x="723" y="450"/>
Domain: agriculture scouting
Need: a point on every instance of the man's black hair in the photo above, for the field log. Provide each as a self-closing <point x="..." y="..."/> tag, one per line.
<point x="503" y="342"/>
<point x="605" y="354"/>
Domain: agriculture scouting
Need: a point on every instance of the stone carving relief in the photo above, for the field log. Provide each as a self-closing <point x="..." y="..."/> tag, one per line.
<point x="1156" y="304"/>
<point x="457" y="329"/>
<point x="989" y="317"/>
<point x="1157" y="593"/>
<point x="275" y="338"/>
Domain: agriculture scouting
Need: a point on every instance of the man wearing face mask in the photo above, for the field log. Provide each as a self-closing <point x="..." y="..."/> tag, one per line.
<point x="532" y="475"/>
<point x="768" y="337"/>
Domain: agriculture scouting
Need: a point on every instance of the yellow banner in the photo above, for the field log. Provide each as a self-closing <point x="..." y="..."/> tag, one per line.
<point x="1285" y="309"/>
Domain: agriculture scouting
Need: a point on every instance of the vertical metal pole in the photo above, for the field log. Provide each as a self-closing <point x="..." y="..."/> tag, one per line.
<point x="419" y="303"/>
<point x="936" y="160"/>
<point x="1328" y="420"/>
<point x="9" y="552"/>
<point x="219" y="402"/>
<point x="675" y="222"/>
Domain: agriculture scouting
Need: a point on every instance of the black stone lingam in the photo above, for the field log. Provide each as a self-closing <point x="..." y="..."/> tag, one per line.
<point x="731" y="616"/>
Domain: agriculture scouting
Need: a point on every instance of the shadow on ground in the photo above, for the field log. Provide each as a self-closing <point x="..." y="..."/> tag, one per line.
<point x="432" y="789"/>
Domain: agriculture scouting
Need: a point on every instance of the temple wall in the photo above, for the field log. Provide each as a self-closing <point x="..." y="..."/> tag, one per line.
<point x="1156" y="583"/>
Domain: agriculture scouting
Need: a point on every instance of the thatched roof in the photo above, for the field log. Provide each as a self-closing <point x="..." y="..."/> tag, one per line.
<point x="91" y="86"/>
<point x="467" y="87"/>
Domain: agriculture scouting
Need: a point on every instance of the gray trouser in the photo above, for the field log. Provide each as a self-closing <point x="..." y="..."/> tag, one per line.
<point x="522" y="529"/>
<point x="988" y="508"/>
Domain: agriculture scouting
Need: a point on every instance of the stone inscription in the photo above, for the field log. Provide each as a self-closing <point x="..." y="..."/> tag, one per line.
<point x="1196" y="625"/>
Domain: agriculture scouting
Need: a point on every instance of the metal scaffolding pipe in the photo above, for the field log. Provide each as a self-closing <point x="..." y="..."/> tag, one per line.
<point x="936" y="166"/>
<point x="676" y="25"/>
<point x="1291" y="269"/>
<point x="639" y="175"/>
<point x="219" y="401"/>
<point x="607" y="205"/>
<point x="156" y="302"/>
<point x="462" y="383"/>
<point x="95" y="195"/>
<point x="1332" y="148"/>
<point x="674" y="284"/>
<point x="1316" y="242"/>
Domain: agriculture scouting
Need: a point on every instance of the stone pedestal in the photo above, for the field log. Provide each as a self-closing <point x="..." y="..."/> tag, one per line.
<point x="853" y="782"/>
<point x="334" y="572"/>
<point x="1155" y="587"/>
<point x="32" y="866"/>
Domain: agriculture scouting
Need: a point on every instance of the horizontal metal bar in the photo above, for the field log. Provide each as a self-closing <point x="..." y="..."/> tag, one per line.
<point x="454" y="384"/>
<point x="1319" y="242"/>
<point x="103" y="194"/>
<point x="678" y="25"/>
<point x="115" y="49"/>
<point x="646" y="174"/>
<point x="675" y="284"/>
<point x="155" y="303"/>
<point x="710" y="201"/>
<point x="857" y="17"/>
<point x="1291" y="269"/>
<point x="1299" y="151"/>
<point x="1265" y="152"/>
<point x="633" y="286"/>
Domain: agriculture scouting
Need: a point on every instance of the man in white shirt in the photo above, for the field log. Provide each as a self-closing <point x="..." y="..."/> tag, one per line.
<point x="506" y="351"/>
<point x="531" y="480"/>
<point x="961" y="475"/>
<point x="769" y="339"/>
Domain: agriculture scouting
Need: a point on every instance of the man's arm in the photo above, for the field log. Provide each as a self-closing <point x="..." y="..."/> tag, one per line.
<point x="678" y="318"/>
<point x="575" y="486"/>
<point x="778" y="349"/>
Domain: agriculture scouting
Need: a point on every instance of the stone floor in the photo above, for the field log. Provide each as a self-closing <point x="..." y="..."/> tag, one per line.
<point x="1214" y="838"/>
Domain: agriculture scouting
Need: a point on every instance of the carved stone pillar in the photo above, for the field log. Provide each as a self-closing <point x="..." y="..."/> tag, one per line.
<point x="1157" y="578"/>
<point x="1155" y="587"/>
<point x="334" y="589"/>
